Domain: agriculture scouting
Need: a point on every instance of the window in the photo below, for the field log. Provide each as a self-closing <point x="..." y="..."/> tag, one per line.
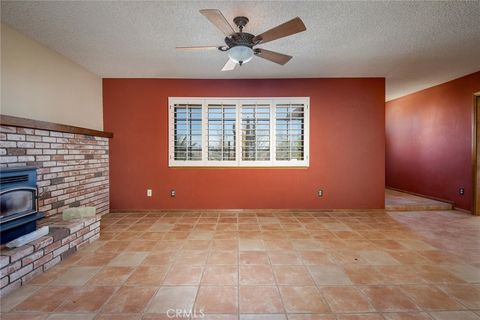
<point x="255" y="128"/>
<point x="188" y="132"/>
<point x="222" y="132"/>
<point x="290" y="131"/>
<point x="238" y="132"/>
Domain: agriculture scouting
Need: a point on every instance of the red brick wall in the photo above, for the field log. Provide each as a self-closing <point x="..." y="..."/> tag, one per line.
<point x="72" y="168"/>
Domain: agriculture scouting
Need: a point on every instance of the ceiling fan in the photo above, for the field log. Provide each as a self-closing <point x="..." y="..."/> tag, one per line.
<point x="240" y="45"/>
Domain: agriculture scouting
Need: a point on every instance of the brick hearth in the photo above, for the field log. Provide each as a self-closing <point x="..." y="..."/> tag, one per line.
<point x="20" y="265"/>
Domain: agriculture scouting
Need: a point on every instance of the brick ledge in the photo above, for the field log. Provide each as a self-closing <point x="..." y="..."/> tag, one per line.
<point x="22" y="264"/>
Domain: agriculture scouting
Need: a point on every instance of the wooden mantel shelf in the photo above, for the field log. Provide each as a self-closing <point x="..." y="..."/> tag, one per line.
<point x="43" y="125"/>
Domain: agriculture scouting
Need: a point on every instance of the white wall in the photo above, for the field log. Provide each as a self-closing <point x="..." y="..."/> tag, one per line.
<point x="38" y="83"/>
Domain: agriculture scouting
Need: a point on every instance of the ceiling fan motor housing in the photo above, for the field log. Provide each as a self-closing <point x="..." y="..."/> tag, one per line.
<point x="240" y="39"/>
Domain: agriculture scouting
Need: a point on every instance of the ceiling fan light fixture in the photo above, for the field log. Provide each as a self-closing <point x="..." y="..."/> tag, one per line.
<point x="240" y="54"/>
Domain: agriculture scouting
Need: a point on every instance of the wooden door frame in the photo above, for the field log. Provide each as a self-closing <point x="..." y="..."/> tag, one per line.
<point x="475" y="128"/>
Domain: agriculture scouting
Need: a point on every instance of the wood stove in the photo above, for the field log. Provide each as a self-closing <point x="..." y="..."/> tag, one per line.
<point x="18" y="202"/>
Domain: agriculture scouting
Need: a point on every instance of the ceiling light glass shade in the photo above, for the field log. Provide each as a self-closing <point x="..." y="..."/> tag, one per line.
<point x="240" y="54"/>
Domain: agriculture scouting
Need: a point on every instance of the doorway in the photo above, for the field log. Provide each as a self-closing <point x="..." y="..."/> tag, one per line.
<point x="476" y="155"/>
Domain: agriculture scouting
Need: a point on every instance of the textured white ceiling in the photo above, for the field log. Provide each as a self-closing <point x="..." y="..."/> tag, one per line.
<point x="413" y="44"/>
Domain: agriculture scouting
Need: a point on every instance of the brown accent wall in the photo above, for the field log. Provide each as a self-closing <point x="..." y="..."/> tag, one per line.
<point x="347" y="147"/>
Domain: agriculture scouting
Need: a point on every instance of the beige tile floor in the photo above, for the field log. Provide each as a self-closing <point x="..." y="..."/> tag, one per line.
<point x="266" y="266"/>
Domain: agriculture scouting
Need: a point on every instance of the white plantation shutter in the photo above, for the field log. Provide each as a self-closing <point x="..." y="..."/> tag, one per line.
<point x="187" y="123"/>
<point x="256" y="131"/>
<point x="239" y="132"/>
<point x="222" y="132"/>
<point x="290" y="131"/>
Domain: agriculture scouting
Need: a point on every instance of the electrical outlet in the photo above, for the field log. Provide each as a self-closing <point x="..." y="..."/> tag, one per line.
<point x="461" y="191"/>
<point x="149" y="192"/>
<point x="173" y="193"/>
<point x="320" y="193"/>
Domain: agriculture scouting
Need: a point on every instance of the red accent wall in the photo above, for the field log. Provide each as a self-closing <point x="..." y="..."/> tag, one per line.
<point x="347" y="147"/>
<point x="429" y="141"/>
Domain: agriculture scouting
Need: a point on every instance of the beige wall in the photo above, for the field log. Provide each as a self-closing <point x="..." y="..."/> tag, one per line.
<point x="38" y="83"/>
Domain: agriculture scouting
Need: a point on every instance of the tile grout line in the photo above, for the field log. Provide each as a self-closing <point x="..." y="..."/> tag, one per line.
<point x="353" y="285"/>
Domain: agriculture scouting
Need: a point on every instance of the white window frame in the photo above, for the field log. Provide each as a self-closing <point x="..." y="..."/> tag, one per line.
<point x="172" y="101"/>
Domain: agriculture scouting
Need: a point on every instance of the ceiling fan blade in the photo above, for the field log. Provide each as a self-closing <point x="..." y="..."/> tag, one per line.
<point x="197" y="48"/>
<point x="273" y="56"/>
<point x="217" y="18"/>
<point x="284" y="30"/>
<point x="229" y="66"/>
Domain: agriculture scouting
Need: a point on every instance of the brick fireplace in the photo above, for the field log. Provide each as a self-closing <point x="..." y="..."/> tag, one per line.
<point x="72" y="168"/>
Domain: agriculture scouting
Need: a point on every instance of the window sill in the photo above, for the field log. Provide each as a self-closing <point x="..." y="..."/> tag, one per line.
<point x="237" y="167"/>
